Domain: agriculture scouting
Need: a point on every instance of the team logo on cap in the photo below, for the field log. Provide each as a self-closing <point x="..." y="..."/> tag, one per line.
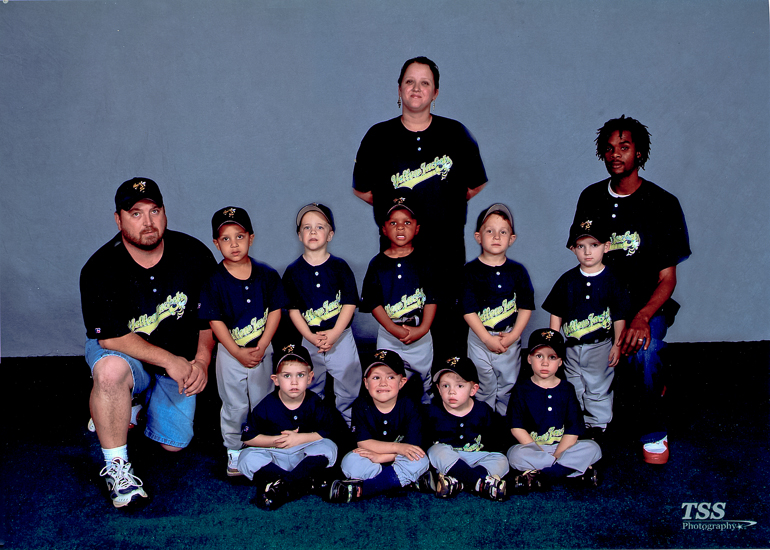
<point x="399" y="200"/>
<point x="140" y="186"/>
<point x="229" y="212"/>
<point x="288" y="349"/>
<point x="453" y="361"/>
<point x="586" y="224"/>
<point x="548" y="334"/>
<point x="381" y="355"/>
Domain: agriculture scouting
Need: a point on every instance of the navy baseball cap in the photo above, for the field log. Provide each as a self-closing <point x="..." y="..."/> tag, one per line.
<point x="497" y="208"/>
<point x="547" y="337"/>
<point x="292" y="351"/>
<point x="325" y="211"/>
<point x="461" y="366"/>
<point x="399" y="203"/>
<point x="230" y="214"/>
<point x="134" y="190"/>
<point x="388" y="358"/>
<point x="587" y="228"/>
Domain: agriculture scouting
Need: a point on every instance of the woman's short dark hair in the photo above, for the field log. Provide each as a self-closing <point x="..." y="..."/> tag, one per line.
<point x="639" y="135"/>
<point x="423" y="61"/>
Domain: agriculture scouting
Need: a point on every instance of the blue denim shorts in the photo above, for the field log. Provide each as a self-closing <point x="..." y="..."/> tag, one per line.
<point x="169" y="414"/>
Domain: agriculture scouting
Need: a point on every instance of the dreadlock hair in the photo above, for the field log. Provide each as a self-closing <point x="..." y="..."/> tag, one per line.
<point x="639" y="135"/>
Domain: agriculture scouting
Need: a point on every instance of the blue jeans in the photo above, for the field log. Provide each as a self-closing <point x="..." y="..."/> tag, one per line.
<point x="169" y="413"/>
<point x="649" y="381"/>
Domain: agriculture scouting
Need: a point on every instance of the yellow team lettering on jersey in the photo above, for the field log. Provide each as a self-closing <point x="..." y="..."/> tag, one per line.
<point x="252" y="331"/>
<point x="407" y="305"/>
<point x="409" y="178"/>
<point x="329" y="310"/>
<point x="477" y="445"/>
<point x="578" y="329"/>
<point x="629" y="242"/>
<point x="172" y="307"/>
<point x="548" y="438"/>
<point x="490" y="317"/>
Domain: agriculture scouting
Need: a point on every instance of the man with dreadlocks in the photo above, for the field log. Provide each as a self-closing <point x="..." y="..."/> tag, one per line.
<point x="648" y="238"/>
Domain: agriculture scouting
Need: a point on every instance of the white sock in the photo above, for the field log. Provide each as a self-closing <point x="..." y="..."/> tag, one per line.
<point x="110" y="454"/>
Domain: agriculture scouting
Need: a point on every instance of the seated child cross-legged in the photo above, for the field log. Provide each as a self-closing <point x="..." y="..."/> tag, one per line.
<point x="463" y="433"/>
<point x="545" y="418"/>
<point x="387" y="428"/>
<point x="288" y="434"/>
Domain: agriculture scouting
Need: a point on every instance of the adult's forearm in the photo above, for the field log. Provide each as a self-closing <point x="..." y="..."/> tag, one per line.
<point x="137" y="347"/>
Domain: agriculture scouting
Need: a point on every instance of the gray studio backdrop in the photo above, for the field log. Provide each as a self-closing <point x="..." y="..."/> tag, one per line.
<point x="263" y="104"/>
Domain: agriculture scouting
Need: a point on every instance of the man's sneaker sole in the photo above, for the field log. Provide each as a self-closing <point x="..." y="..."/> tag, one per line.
<point x="659" y="457"/>
<point x="125" y="500"/>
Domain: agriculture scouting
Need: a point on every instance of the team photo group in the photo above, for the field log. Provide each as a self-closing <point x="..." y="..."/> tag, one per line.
<point x="451" y="399"/>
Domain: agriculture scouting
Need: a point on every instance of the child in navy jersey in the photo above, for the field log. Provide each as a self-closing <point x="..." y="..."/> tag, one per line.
<point x="544" y="417"/>
<point x="497" y="302"/>
<point x="387" y="429"/>
<point x="323" y="297"/>
<point x="589" y="303"/>
<point x="464" y="435"/>
<point x="398" y="291"/>
<point x="242" y="301"/>
<point x="291" y="436"/>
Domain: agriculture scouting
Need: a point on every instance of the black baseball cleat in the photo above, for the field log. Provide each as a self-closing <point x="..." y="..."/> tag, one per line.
<point x="527" y="481"/>
<point x="318" y="485"/>
<point x="426" y="483"/>
<point x="591" y="477"/>
<point x="273" y="497"/>
<point x="492" y="488"/>
<point x="448" y="486"/>
<point x="346" y="490"/>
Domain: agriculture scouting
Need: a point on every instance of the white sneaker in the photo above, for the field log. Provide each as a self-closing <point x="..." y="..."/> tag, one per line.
<point x="135" y="409"/>
<point x="232" y="463"/>
<point x="656" y="452"/>
<point x="657" y="447"/>
<point x="122" y="483"/>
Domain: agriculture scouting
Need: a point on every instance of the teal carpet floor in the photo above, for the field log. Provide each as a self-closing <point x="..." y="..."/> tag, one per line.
<point x="718" y="399"/>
